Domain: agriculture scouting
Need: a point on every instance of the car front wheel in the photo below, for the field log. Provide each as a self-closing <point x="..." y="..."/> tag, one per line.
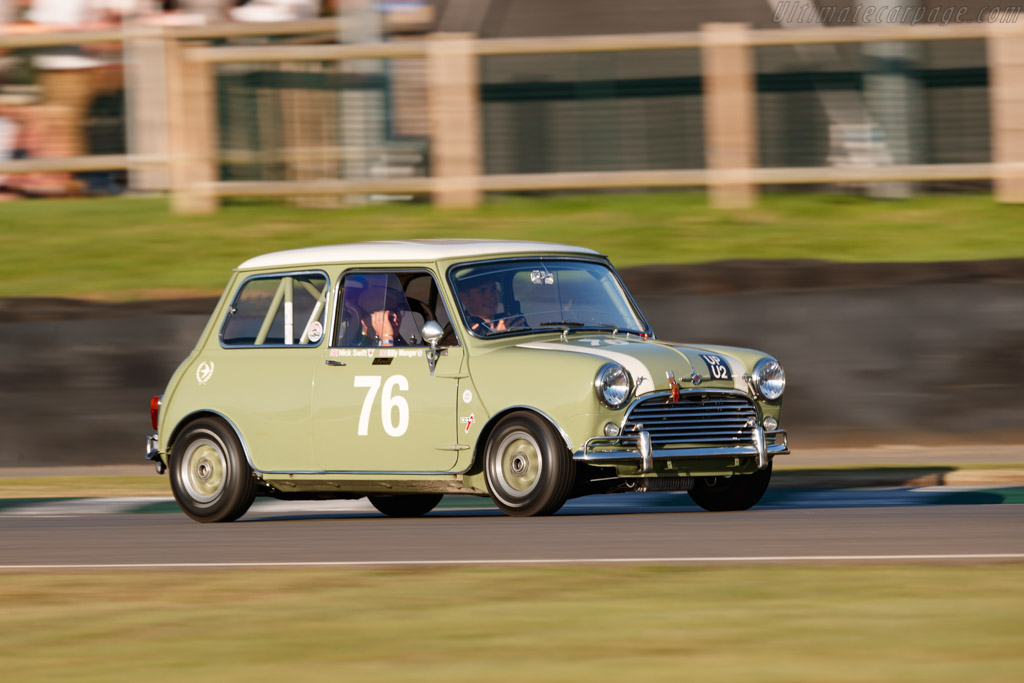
<point x="528" y="469"/>
<point x="738" y="492"/>
<point x="210" y="477"/>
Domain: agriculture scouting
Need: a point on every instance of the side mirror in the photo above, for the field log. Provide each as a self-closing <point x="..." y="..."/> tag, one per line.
<point x="432" y="334"/>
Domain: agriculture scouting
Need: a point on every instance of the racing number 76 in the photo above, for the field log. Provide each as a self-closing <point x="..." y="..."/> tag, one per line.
<point x="389" y="404"/>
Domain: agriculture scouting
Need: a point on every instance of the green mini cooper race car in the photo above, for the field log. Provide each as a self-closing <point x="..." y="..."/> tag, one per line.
<point x="406" y="371"/>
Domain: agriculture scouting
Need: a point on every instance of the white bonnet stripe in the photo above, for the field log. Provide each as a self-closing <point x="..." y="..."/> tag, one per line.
<point x="737" y="373"/>
<point x="641" y="375"/>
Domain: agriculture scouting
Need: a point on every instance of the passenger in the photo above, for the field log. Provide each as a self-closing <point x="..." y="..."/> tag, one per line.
<point x="385" y="308"/>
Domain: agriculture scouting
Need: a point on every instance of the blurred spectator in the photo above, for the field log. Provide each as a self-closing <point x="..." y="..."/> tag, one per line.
<point x="21" y="136"/>
<point x="208" y="11"/>
<point x="8" y="149"/>
<point x="70" y="77"/>
<point x="8" y="12"/>
<point x="276" y="10"/>
<point x="72" y="81"/>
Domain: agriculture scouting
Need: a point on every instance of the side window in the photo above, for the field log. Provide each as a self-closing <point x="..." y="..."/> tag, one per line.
<point x="277" y="310"/>
<point x="388" y="309"/>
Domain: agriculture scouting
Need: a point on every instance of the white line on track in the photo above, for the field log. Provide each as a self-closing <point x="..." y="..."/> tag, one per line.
<point x="77" y="507"/>
<point x="564" y="561"/>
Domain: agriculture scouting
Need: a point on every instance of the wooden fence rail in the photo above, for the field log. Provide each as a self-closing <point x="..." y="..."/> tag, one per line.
<point x="728" y="76"/>
<point x="453" y="87"/>
<point x="147" y="85"/>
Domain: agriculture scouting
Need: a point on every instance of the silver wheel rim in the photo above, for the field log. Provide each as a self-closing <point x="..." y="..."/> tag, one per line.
<point x="519" y="464"/>
<point x="204" y="470"/>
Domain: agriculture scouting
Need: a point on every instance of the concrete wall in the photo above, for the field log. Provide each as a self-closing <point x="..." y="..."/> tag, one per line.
<point x="919" y="364"/>
<point x="874" y="354"/>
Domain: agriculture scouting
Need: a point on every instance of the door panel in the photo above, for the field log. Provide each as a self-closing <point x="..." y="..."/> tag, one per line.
<point x="376" y="406"/>
<point x="382" y="411"/>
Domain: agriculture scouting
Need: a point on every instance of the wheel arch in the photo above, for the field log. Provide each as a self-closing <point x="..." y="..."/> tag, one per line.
<point x="206" y="413"/>
<point x="492" y="422"/>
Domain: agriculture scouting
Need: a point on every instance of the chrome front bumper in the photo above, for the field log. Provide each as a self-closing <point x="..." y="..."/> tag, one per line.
<point x="636" y="448"/>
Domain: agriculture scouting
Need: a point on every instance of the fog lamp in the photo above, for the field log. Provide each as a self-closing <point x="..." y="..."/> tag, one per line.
<point x="611" y="429"/>
<point x="770" y="424"/>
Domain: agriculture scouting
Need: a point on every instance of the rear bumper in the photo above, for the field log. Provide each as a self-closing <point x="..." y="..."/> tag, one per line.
<point x="152" y="447"/>
<point x="636" y="449"/>
<point x="153" y="453"/>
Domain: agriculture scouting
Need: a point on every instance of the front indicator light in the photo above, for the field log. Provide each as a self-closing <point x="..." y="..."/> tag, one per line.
<point x="611" y="429"/>
<point x="770" y="424"/>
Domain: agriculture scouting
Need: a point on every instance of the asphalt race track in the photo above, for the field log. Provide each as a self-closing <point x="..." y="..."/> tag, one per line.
<point x="836" y="527"/>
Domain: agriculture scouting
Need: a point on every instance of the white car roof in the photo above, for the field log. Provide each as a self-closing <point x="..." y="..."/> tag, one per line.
<point x="406" y="250"/>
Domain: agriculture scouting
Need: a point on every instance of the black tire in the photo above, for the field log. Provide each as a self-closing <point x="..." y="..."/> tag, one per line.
<point x="210" y="477"/>
<point x="409" y="505"/>
<point x="527" y="467"/>
<point x="724" y="494"/>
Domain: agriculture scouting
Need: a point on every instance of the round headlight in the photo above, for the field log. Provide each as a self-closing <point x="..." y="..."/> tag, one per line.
<point x="613" y="385"/>
<point x="769" y="379"/>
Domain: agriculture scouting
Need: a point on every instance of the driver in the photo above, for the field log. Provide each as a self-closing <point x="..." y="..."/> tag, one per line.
<point x="480" y="299"/>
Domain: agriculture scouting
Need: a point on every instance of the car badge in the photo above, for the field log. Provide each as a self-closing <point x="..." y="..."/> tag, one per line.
<point x="204" y="372"/>
<point x="696" y="378"/>
<point x="673" y="385"/>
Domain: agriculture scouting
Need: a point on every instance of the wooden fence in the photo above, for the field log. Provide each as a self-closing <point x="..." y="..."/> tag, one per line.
<point x="732" y="174"/>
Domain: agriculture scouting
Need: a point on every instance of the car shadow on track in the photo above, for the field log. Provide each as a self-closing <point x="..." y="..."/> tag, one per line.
<point x="661" y="503"/>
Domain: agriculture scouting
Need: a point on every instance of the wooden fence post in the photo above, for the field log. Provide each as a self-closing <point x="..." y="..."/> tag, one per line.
<point x="192" y="132"/>
<point x="146" y="101"/>
<point x="1005" y="48"/>
<point x="453" y="92"/>
<point x="730" y="114"/>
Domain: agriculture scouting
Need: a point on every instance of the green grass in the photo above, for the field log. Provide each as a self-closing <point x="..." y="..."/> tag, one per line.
<point x="777" y="623"/>
<point x="129" y="248"/>
<point x="786" y="476"/>
<point x="85" y="486"/>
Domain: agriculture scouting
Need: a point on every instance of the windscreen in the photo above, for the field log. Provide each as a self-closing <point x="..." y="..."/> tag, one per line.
<point x="504" y="297"/>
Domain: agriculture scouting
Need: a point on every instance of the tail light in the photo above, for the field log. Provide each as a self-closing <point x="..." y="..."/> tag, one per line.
<point x="154" y="409"/>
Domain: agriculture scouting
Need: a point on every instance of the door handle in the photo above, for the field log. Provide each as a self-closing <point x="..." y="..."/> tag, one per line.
<point x="335" y="363"/>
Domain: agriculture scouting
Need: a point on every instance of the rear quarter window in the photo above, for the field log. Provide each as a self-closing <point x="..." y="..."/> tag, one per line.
<point x="277" y="310"/>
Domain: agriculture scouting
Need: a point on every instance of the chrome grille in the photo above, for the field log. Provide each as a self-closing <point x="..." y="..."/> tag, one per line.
<point x="703" y="417"/>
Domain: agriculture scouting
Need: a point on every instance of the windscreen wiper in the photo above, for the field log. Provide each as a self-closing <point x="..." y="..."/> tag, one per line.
<point x="575" y="325"/>
<point x="566" y="325"/>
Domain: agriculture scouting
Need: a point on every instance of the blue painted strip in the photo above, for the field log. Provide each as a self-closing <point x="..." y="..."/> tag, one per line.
<point x="633" y="502"/>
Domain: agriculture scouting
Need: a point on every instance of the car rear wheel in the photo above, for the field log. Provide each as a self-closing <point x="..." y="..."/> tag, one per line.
<point x="210" y="477"/>
<point x="527" y="467"/>
<point x="738" y="492"/>
<point x="411" y="505"/>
